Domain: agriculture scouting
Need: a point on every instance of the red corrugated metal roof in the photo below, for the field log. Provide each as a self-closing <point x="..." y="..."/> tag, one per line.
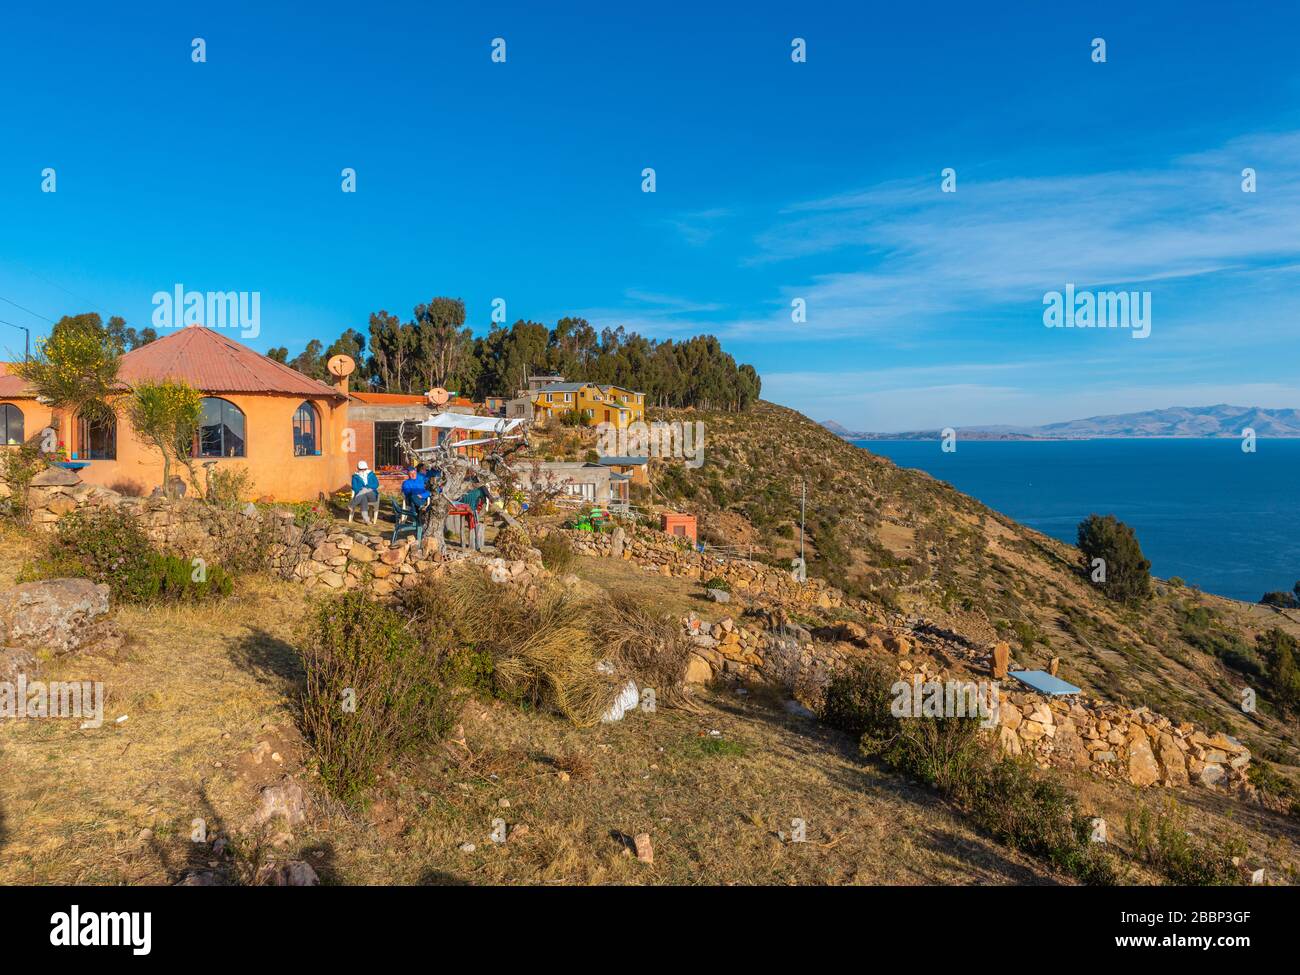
<point x="388" y="399"/>
<point x="11" y="386"/>
<point x="213" y="363"/>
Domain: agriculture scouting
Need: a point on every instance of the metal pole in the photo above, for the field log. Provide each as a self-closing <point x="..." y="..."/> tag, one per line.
<point x="803" y="505"/>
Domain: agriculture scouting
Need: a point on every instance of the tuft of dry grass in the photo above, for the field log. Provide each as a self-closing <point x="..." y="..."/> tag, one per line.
<point x="542" y="650"/>
<point x="649" y="646"/>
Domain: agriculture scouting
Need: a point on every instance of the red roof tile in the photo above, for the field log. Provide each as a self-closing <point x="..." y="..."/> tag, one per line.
<point x="213" y="363"/>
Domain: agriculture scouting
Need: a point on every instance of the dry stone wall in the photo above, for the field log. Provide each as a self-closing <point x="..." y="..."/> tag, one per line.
<point x="319" y="557"/>
<point x="670" y="556"/>
<point x="1134" y="745"/>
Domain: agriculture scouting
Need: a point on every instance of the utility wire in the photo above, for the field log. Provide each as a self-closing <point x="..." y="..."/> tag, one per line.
<point x="28" y="310"/>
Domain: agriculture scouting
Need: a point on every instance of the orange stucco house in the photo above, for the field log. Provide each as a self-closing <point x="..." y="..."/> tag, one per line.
<point x="284" y="428"/>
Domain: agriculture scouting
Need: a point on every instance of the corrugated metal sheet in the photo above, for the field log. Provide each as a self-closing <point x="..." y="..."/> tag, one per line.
<point x="1045" y="683"/>
<point x="11" y="386"/>
<point x="213" y="363"/>
<point x="388" y="399"/>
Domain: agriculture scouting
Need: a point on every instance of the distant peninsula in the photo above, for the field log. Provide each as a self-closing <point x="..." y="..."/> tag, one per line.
<point x="1176" y="421"/>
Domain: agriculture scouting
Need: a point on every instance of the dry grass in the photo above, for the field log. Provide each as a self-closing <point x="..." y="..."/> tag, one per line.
<point x="648" y="645"/>
<point x="201" y="686"/>
<point x="543" y="650"/>
<point x="197" y="685"/>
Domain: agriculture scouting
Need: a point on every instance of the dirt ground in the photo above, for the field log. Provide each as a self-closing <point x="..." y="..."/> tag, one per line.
<point x="198" y="690"/>
<point x="201" y="714"/>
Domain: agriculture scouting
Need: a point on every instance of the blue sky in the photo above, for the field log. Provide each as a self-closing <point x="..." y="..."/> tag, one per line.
<point x="775" y="181"/>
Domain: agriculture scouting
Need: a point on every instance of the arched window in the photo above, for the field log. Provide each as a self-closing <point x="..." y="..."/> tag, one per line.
<point x="306" y="431"/>
<point x="97" y="439"/>
<point x="11" y="424"/>
<point x="221" y="429"/>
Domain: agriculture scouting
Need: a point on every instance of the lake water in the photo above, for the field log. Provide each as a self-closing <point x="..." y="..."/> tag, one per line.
<point x="1222" y="519"/>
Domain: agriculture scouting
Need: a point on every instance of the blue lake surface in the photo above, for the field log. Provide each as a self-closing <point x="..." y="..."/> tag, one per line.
<point x="1222" y="519"/>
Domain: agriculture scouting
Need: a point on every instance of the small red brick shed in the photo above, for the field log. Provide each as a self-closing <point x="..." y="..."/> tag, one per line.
<point x="679" y="524"/>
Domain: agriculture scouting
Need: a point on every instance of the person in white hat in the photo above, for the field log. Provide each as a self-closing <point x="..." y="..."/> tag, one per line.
<point x="365" y="491"/>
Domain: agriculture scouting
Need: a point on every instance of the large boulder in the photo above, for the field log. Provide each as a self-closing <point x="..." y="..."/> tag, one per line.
<point x="55" y="477"/>
<point x="59" y="615"/>
<point x="1142" y="767"/>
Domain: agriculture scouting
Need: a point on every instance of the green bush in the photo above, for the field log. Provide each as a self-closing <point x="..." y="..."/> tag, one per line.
<point x="1282" y="600"/>
<point x="1282" y="654"/>
<point x="717" y="582"/>
<point x="857" y="701"/>
<point x="108" y="545"/>
<point x="1128" y="572"/>
<point x="1038" y="815"/>
<point x="18" y="465"/>
<point x="372" y="694"/>
<point x="557" y="554"/>
<point x="1006" y="796"/>
<point x="228" y="487"/>
<point x="1161" y="840"/>
<point x="1263" y="777"/>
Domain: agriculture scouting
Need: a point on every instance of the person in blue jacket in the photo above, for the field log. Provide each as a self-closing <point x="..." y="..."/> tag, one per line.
<point x="365" y="490"/>
<point x="415" y="489"/>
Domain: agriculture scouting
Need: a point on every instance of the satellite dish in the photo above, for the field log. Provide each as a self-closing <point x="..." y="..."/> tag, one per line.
<point x="437" y="396"/>
<point x="341" y="365"/>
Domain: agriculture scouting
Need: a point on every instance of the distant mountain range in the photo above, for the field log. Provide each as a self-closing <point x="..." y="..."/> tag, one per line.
<point x="1177" y="421"/>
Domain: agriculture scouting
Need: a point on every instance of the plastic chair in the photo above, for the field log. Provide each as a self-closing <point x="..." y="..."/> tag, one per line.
<point x="372" y="505"/>
<point x="406" y="521"/>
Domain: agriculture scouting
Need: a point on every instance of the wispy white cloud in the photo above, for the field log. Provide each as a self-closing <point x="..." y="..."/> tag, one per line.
<point x="951" y="286"/>
<point x="698" y="227"/>
<point x="926" y="254"/>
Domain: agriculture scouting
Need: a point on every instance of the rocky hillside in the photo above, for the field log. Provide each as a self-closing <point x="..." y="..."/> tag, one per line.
<point x="908" y="544"/>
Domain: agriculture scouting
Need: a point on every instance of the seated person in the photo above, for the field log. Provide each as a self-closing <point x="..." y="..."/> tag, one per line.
<point x="365" y="490"/>
<point x="415" y="491"/>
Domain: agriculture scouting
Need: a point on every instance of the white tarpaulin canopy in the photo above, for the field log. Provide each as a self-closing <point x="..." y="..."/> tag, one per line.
<point x="477" y="424"/>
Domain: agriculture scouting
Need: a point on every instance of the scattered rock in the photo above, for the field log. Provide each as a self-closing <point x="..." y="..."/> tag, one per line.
<point x="1001" y="660"/>
<point x="645" y="851"/>
<point x="60" y="615"/>
<point x="1213" y="775"/>
<point x="295" y="873"/>
<point x="285" y="800"/>
<point x="1142" y="767"/>
<point x="202" y="878"/>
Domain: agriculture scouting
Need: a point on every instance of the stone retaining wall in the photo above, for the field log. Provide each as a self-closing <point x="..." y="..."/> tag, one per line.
<point x="1135" y="745"/>
<point x="319" y="557"/>
<point x="670" y="556"/>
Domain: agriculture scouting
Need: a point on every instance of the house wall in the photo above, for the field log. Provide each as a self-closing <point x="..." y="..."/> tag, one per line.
<point x="679" y="524"/>
<point x="35" y="416"/>
<point x="269" y="457"/>
<point x="552" y="475"/>
<point x="362" y="418"/>
<point x="585" y="400"/>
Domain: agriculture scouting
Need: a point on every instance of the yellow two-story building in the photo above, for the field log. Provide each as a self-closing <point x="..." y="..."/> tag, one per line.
<point x="597" y="404"/>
